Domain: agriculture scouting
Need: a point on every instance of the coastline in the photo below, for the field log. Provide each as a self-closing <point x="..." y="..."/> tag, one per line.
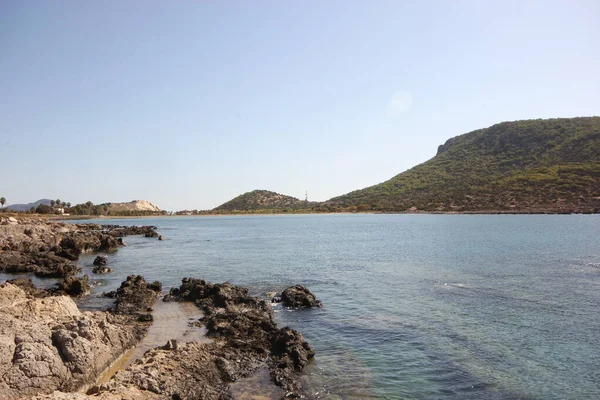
<point x="197" y="341"/>
<point x="485" y="212"/>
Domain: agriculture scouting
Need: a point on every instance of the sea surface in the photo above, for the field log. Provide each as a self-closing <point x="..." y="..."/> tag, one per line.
<point x="415" y="306"/>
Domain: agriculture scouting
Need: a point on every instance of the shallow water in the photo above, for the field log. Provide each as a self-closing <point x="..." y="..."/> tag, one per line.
<point x="172" y="320"/>
<point x="416" y="306"/>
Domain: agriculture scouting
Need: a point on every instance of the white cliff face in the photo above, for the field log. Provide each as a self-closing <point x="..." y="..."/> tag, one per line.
<point x="135" y="205"/>
<point x="47" y="344"/>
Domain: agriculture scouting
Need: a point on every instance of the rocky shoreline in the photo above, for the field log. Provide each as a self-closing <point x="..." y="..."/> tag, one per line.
<point x="52" y="350"/>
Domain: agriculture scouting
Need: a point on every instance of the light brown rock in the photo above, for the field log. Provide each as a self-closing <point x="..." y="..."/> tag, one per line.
<point x="47" y="344"/>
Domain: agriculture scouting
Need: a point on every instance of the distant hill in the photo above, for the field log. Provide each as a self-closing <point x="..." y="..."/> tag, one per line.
<point x="263" y="200"/>
<point x="134" y="205"/>
<point x="27" y="207"/>
<point x="522" y="166"/>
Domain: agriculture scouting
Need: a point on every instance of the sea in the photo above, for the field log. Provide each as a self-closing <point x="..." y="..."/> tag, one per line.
<point x="415" y="306"/>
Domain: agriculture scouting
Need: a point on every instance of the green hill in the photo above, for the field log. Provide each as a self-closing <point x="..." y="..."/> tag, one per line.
<point x="263" y="200"/>
<point x="548" y="165"/>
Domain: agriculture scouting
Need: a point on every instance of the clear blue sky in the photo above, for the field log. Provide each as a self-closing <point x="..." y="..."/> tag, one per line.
<point x="189" y="104"/>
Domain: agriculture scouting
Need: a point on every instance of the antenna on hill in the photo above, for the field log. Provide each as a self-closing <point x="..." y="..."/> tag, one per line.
<point x="306" y="197"/>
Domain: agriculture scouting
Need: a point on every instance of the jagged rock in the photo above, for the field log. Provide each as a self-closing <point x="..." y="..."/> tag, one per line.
<point x="175" y="371"/>
<point x="99" y="269"/>
<point x="160" y="237"/>
<point x="245" y="323"/>
<point x="145" y="318"/>
<point x="151" y="235"/>
<point x="42" y="265"/>
<point x="100" y="260"/>
<point x="135" y="294"/>
<point x="47" y="344"/>
<point x="299" y="296"/>
<point x="74" y="286"/>
<point x="46" y="248"/>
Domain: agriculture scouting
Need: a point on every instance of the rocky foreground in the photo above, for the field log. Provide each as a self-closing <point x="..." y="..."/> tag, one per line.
<point x="49" y="349"/>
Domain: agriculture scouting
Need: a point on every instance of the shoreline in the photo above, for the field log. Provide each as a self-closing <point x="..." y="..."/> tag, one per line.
<point x="96" y="217"/>
<point x="200" y="339"/>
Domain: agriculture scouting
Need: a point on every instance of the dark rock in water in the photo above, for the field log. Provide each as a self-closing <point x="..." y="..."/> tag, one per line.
<point x="119" y="231"/>
<point x="101" y="260"/>
<point x="135" y="294"/>
<point x="120" y="242"/>
<point x="156" y="286"/>
<point x="100" y="269"/>
<point x="288" y="342"/>
<point x="160" y="237"/>
<point x="87" y="242"/>
<point x="151" y="234"/>
<point x="41" y="264"/>
<point x="74" y="286"/>
<point x="171" y="345"/>
<point x="145" y="318"/>
<point x="299" y="296"/>
<point x="245" y="323"/>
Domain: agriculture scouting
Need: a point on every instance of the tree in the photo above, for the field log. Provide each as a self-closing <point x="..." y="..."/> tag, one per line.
<point x="2" y="201"/>
<point x="57" y="202"/>
<point x="68" y="205"/>
<point x="52" y="203"/>
<point x="44" y="209"/>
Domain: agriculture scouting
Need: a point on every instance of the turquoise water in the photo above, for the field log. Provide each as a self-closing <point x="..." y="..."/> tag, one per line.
<point x="416" y="306"/>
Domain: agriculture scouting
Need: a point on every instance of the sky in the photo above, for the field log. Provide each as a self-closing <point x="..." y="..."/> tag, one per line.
<point x="189" y="104"/>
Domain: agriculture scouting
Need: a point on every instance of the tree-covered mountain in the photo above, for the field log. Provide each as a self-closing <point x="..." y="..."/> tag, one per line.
<point x="263" y="200"/>
<point x="523" y="166"/>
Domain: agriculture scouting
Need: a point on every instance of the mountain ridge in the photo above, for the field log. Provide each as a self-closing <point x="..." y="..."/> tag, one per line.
<point x="539" y="165"/>
<point x="263" y="200"/>
<point x="526" y="165"/>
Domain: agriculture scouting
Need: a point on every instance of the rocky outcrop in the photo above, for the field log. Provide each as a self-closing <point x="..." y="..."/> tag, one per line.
<point x="99" y="269"/>
<point x="74" y="286"/>
<point x="135" y="295"/>
<point x="175" y="371"/>
<point x="47" y="344"/>
<point x="47" y="249"/>
<point x="46" y="265"/>
<point x="299" y="297"/>
<point x="251" y="337"/>
<point x="100" y="260"/>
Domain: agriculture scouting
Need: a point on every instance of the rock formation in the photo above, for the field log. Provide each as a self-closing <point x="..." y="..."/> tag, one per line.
<point x="299" y="296"/>
<point x="47" y="344"/>
<point x="250" y="335"/>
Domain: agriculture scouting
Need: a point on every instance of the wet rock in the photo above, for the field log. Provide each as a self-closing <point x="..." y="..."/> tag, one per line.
<point x="100" y="260"/>
<point x="145" y="318"/>
<point x="160" y="237"/>
<point x="245" y="324"/>
<point x="119" y="231"/>
<point x="135" y="294"/>
<point x="99" y="269"/>
<point x="42" y="265"/>
<point x="151" y="235"/>
<point x="299" y="296"/>
<point x="74" y="286"/>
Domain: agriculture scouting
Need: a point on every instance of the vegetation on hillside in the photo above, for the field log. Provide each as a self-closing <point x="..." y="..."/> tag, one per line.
<point x="534" y="165"/>
<point x="263" y="200"/>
